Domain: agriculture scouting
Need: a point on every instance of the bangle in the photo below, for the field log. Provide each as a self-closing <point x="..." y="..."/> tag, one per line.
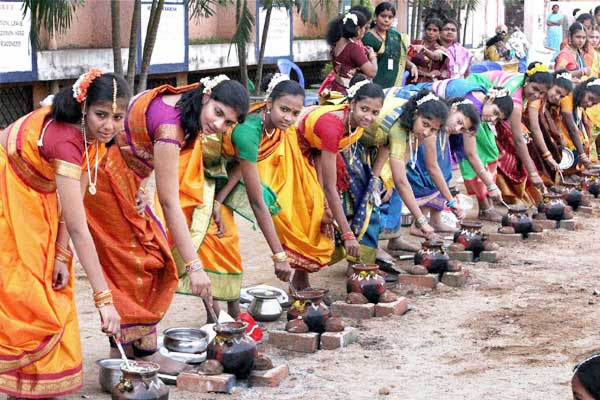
<point x="194" y="261"/>
<point x="348" y="236"/>
<point x="534" y="173"/>
<point x="62" y="254"/>
<point x="216" y="204"/>
<point x="492" y="187"/>
<point x="546" y="155"/>
<point x="196" y="265"/>
<point x="421" y="221"/>
<point x="451" y="203"/>
<point x="279" y="257"/>
<point x="103" y="298"/>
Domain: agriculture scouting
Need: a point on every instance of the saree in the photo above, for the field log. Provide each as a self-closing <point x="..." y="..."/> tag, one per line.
<point x="426" y="65"/>
<point x="459" y="61"/>
<point x="133" y="249"/>
<point x="391" y="56"/>
<point x="40" y="348"/>
<point x="549" y="133"/>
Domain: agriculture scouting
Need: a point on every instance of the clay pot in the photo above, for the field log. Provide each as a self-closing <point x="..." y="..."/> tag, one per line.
<point x="235" y="350"/>
<point x="518" y="219"/>
<point x="309" y="307"/>
<point x="591" y="182"/>
<point x="471" y="236"/>
<point x="432" y="256"/>
<point x="553" y="206"/>
<point x="140" y="381"/>
<point x="571" y="194"/>
<point x="365" y="279"/>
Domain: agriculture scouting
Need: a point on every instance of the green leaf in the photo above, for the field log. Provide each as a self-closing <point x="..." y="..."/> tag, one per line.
<point x="205" y="8"/>
<point x="53" y="15"/>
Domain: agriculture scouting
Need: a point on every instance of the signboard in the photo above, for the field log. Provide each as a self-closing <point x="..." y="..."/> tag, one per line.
<point x="170" y="52"/>
<point x="18" y="56"/>
<point x="279" y="36"/>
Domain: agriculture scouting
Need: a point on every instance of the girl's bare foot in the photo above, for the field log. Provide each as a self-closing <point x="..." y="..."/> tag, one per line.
<point x="491" y="214"/>
<point x="399" y="244"/>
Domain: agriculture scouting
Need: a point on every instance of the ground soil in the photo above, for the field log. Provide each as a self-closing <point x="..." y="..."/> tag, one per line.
<point x="514" y="332"/>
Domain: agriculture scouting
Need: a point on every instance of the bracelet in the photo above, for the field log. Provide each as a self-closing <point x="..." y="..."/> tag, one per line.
<point x="534" y="173"/>
<point x="63" y="255"/>
<point x="451" y="203"/>
<point x="546" y="155"/>
<point x="348" y="236"/>
<point x="421" y="221"/>
<point x="194" y="261"/>
<point x="103" y="298"/>
<point x="492" y="187"/>
<point x="216" y="204"/>
<point x="196" y="266"/>
<point x="279" y="257"/>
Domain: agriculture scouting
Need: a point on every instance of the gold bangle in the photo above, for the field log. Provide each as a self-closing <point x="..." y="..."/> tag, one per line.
<point x="102" y="294"/>
<point x="190" y="263"/>
<point x="193" y="268"/>
<point x="216" y="204"/>
<point x="279" y="257"/>
<point x="63" y="251"/>
<point x="63" y="259"/>
<point x="100" y="304"/>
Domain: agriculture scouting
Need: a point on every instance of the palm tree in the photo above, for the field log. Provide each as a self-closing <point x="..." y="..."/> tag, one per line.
<point x="54" y="16"/>
<point x="115" y="15"/>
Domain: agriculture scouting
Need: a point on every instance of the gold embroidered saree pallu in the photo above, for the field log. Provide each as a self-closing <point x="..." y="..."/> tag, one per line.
<point x="40" y="349"/>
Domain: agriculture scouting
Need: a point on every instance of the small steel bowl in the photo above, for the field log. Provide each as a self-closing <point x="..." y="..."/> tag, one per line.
<point x="185" y="340"/>
<point x="110" y="373"/>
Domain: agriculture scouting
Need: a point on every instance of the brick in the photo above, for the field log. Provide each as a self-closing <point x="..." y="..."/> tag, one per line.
<point x="354" y="311"/>
<point x="397" y="307"/>
<point x="299" y="342"/>
<point x="191" y="382"/>
<point x="336" y="340"/>
<point x="568" y="224"/>
<point x="427" y="281"/>
<point x="502" y="238"/>
<point x="454" y="279"/>
<point x="585" y="210"/>
<point x="269" y="378"/>
<point x="546" y="223"/>
<point x="489" y="256"/>
<point x="463" y="256"/>
<point x="535" y="236"/>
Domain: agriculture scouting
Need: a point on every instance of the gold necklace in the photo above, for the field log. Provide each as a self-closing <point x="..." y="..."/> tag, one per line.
<point x="353" y="147"/>
<point x="443" y="139"/>
<point x="268" y="132"/>
<point x="415" y="154"/>
<point x="92" y="183"/>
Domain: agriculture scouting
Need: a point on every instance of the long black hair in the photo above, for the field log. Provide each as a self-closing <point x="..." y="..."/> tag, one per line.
<point x="576" y="27"/>
<point x="543" y="77"/>
<point x="229" y="92"/>
<point x="579" y="91"/>
<point x="65" y="108"/>
<point x="433" y="109"/>
<point x="370" y="90"/>
<point x="504" y="103"/>
<point x="561" y="81"/>
<point x="338" y="29"/>
<point x="381" y="7"/>
<point x="588" y="373"/>
<point x="287" y="87"/>
<point x="457" y="146"/>
<point x="363" y="10"/>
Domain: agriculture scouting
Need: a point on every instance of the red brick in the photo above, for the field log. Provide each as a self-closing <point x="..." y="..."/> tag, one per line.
<point x="354" y="311"/>
<point x="535" y="236"/>
<point x="502" y="238"/>
<point x="568" y="224"/>
<point x="191" y="382"/>
<point x="455" y="279"/>
<point x="546" y="223"/>
<point x="300" y="342"/>
<point x="489" y="256"/>
<point x="427" y="281"/>
<point x="335" y="340"/>
<point x="269" y="378"/>
<point x="463" y="256"/>
<point x="397" y="307"/>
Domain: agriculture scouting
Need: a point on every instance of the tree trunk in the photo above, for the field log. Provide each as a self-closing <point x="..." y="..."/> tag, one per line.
<point x="157" y="7"/>
<point x="241" y="47"/>
<point x="133" y="42"/>
<point x="464" y="36"/>
<point x="458" y="16"/>
<point x="261" y="54"/>
<point x="116" y="36"/>
<point x="419" y="21"/>
<point x="413" y="18"/>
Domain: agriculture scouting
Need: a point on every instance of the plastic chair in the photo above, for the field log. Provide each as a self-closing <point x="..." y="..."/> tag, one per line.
<point x="285" y="66"/>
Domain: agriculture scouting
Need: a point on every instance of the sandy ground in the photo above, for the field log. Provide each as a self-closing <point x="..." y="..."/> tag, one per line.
<point x="514" y="332"/>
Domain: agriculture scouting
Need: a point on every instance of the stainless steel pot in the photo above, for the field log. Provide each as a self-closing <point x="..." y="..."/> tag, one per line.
<point x="264" y="305"/>
<point x="185" y="340"/>
<point x="110" y="373"/>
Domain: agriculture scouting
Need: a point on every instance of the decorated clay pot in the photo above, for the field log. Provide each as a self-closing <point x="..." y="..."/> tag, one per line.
<point x="553" y="206"/>
<point x="471" y="236"/>
<point x="591" y="182"/>
<point x="308" y="306"/>
<point x="433" y="256"/>
<point x="518" y="219"/>
<point x="235" y="350"/>
<point x="140" y="381"/>
<point x="365" y="279"/>
<point x="571" y="194"/>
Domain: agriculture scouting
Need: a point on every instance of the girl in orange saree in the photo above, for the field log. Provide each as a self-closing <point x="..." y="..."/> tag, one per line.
<point x="47" y="154"/>
<point x="135" y="253"/>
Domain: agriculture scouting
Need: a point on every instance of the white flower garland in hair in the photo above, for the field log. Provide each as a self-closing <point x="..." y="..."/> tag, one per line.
<point x="595" y="82"/>
<point x="429" y="97"/>
<point x="350" y="16"/>
<point x="565" y="75"/>
<point x="494" y="93"/>
<point x="465" y="101"/>
<point x="352" y="90"/>
<point x="209" y="83"/>
<point x="276" y="80"/>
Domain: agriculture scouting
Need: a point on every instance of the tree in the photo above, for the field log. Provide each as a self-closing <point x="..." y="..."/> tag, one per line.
<point x="54" y="16"/>
<point x="150" y="40"/>
<point x="133" y="42"/>
<point x="116" y="36"/>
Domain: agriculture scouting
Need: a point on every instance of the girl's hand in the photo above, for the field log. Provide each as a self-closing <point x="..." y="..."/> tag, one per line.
<point x="141" y="201"/>
<point x="60" y="275"/>
<point x="111" y="320"/>
<point x="352" y="248"/>
<point x="283" y="271"/>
